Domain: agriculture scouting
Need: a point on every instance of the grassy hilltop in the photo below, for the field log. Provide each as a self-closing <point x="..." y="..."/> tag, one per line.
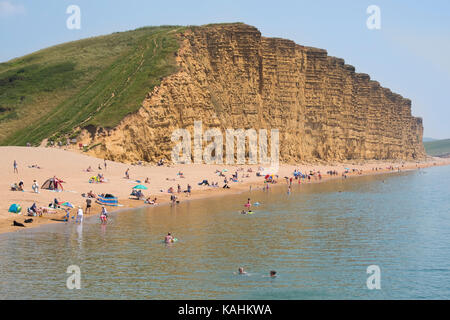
<point x="437" y="148"/>
<point x="95" y="81"/>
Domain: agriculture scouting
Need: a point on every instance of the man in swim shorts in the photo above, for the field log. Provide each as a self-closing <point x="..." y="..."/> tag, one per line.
<point x="88" y="205"/>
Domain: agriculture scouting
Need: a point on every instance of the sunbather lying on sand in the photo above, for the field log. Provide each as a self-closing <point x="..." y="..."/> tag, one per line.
<point x="150" y="201"/>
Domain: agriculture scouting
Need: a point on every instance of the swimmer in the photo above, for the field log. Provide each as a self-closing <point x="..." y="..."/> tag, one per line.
<point x="248" y="204"/>
<point x="241" y="271"/>
<point x="168" y="238"/>
<point x="273" y="273"/>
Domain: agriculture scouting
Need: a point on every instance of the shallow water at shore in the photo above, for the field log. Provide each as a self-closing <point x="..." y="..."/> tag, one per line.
<point x="320" y="239"/>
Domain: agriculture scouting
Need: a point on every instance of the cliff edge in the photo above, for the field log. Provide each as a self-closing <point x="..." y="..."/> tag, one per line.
<point x="229" y="76"/>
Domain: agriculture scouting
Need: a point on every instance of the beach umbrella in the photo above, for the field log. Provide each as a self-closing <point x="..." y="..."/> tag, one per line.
<point x="67" y="204"/>
<point x="347" y="168"/>
<point x="140" y="186"/>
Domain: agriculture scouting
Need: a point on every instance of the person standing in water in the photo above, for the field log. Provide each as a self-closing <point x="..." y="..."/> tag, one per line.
<point x="79" y="215"/>
<point x="104" y="215"/>
<point x="168" y="238"/>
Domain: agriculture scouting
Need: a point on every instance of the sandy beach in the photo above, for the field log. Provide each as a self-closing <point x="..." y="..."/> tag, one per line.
<point x="41" y="164"/>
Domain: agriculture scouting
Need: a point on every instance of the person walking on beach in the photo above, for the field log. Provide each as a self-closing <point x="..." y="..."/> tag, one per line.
<point x="15" y="167"/>
<point x="104" y="163"/>
<point x="189" y="189"/>
<point x="88" y="205"/>
<point x="127" y="174"/>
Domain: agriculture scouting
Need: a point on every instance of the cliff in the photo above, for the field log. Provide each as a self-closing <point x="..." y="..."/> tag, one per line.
<point x="229" y="76"/>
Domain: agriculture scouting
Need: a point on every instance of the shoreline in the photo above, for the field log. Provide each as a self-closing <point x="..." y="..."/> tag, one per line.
<point x="193" y="174"/>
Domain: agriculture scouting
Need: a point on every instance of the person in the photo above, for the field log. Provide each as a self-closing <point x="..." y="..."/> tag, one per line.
<point x="273" y="273"/>
<point x="127" y="174"/>
<point x="99" y="167"/>
<point x="168" y="238"/>
<point x="104" y="163"/>
<point x="15" y="167"/>
<point x="189" y="188"/>
<point x="89" y="169"/>
<point x="248" y="204"/>
<point x="241" y="270"/>
<point x="147" y="180"/>
<point x="79" y="215"/>
<point x="67" y="216"/>
<point x="150" y="201"/>
<point x="179" y="189"/>
<point x="104" y="215"/>
<point x="91" y="194"/>
<point x="32" y="210"/>
<point x="88" y="205"/>
<point x="20" y="185"/>
<point x="35" y="186"/>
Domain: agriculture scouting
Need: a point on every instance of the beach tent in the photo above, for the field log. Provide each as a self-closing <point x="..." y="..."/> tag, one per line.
<point x="108" y="200"/>
<point x="53" y="184"/>
<point x="15" y="208"/>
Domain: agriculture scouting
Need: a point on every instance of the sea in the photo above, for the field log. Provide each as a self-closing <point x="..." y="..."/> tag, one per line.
<point x="383" y="236"/>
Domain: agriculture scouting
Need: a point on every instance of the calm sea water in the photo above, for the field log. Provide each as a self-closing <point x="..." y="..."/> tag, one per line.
<point x="320" y="239"/>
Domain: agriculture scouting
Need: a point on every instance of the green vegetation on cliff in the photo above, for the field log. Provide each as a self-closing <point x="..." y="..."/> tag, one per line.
<point x="438" y="147"/>
<point x="90" y="82"/>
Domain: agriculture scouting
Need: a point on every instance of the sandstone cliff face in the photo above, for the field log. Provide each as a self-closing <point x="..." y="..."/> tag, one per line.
<point x="231" y="77"/>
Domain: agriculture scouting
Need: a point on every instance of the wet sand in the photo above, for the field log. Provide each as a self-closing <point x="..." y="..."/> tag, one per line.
<point x="71" y="168"/>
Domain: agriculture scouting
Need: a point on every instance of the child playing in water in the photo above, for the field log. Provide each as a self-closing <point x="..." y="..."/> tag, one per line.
<point x="104" y="215"/>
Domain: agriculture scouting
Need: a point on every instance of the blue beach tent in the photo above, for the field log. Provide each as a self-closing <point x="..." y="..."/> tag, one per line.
<point x="15" y="208"/>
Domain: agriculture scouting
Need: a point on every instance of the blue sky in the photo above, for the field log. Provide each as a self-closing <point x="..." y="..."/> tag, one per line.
<point x="410" y="54"/>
